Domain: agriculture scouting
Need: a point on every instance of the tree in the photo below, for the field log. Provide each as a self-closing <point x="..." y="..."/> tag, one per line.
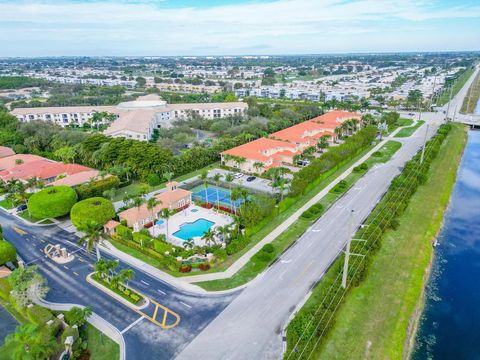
<point x="323" y="142"/>
<point x="127" y="275"/>
<point x="30" y="342"/>
<point x="7" y="252"/>
<point x="96" y="210"/>
<point x="204" y="178"/>
<point x="78" y="316"/>
<point x="166" y="215"/>
<point x="27" y="282"/>
<point x="66" y="154"/>
<point x="414" y="97"/>
<point x="92" y="237"/>
<point x="141" y="81"/>
<point x="216" y="178"/>
<point x="151" y="204"/>
<point x="52" y="202"/>
<point x="209" y="237"/>
<point x="258" y="165"/>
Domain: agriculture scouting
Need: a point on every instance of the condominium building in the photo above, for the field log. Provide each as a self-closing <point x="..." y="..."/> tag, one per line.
<point x="135" y="119"/>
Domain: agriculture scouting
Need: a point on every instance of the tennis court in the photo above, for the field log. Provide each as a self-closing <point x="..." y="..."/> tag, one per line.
<point x="210" y="195"/>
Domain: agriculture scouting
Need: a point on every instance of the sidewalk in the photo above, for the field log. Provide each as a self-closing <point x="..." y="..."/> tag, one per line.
<point x="237" y="265"/>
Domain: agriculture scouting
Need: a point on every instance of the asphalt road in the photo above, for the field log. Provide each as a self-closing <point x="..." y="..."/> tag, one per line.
<point x="251" y="326"/>
<point x="144" y="339"/>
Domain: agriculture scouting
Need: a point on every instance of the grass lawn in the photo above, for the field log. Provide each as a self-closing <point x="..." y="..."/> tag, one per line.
<point x="408" y="131"/>
<point x="135" y="188"/>
<point x="404" y="122"/>
<point x="6" y="204"/>
<point x="373" y="321"/>
<point x="25" y="215"/>
<point x="136" y="254"/>
<point x="101" y="346"/>
<point x="288" y="237"/>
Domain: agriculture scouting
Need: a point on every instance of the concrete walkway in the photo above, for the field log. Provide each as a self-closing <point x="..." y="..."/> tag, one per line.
<point x="237" y="265"/>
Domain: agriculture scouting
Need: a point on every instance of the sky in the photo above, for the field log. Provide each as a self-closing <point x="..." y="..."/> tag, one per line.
<point x="235" y="27"/>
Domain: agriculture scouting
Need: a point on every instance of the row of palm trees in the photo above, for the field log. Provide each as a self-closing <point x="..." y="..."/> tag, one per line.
<point x="107" y="269"/>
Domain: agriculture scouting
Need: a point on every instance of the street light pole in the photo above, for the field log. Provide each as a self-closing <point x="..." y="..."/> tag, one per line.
<point x="347" y="251"/>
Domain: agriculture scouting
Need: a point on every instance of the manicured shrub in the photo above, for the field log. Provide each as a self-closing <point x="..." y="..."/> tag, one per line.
<point x="97" y="188"/>
<point x="124" y="232"/>
<point x="313" y="212"/>
<point x="204" y="266"/>
<point x="185" y="268"/>
<point x="52" y="202"/>
<point x="268" y="248"/>
<point x="5" y="289"/>
<point x="377" y="154"/>
<point x="237" y="245"/>
<point x="153" y="180"/>
<point x="340" y="187"/>
<point x="7" y="252"/>
<point x="161" y="246"/>
<point x="39" y="315"/>
<point x="142" y="239"/>
<point x="96" y="210"/>
<point x="361" y="168"/>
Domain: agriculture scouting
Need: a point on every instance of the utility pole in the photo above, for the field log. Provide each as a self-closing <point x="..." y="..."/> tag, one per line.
<point x="347" y="251"/>
<point x="448" y="105"/>
<point x="424" y="143"/>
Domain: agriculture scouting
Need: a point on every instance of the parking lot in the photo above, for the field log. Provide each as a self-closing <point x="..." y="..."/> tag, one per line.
<point x="258" y="184"/>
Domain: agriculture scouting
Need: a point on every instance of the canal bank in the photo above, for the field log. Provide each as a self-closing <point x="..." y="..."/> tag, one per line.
<point x="450" y="323"/>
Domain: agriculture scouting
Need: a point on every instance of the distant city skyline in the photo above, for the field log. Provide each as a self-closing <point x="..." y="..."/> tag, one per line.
<point x="228" y="27"/>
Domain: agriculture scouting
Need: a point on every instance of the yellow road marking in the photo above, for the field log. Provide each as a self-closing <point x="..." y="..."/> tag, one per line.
<point x="164" y="317"/>
<point x="155" y="312"/>
<point x="166" y="311"/>
<point x="19" y="231"/>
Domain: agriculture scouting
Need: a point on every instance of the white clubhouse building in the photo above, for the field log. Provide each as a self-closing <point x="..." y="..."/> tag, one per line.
<point x="135" y="119"/>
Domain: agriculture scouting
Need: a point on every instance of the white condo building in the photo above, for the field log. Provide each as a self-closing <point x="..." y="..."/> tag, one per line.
<point x="135" y="119"/>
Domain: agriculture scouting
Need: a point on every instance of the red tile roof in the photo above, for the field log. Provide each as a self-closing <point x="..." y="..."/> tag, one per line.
<point x="255" y="149"/>
<point x="6" y="151"/>
<point x="41" y="169"/>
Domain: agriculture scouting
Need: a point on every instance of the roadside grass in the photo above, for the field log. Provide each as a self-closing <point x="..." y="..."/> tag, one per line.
<point x="135" y="253"/>
<point x="408" y="131"/>
<point x="400" y="122"/>
<point x="128" y="294"/>
<point x="6" y="204"/>
<point x="375" y="318"/>
<point x="471" y="99"/>
<point x="462" y="79"/>
<point x="101" y="346"/>
<point x="296" y="230"/>
<point x="25" y="215"/>
<point x="135" y="187"/>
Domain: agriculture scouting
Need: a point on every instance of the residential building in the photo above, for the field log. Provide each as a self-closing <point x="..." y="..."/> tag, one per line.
<point x="173" y="198"/>
<point x="281" y="147"/>
<point x="135" y="119"/>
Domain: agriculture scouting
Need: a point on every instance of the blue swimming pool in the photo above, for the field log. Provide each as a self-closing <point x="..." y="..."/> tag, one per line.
<point x="193" y="229"/>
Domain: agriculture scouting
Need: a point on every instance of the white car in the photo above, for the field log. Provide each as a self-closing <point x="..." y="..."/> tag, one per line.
<point x="238" y="175"/>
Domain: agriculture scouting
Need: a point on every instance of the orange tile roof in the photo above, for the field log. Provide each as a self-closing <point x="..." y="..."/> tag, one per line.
<point x="335" y="117"/>
<point x="41" y="169"/>
<point x="78" y="178"/>
<point x="166" y="198"/>
<point x="6" y="151"/>
<point x="9" y="162"/>
<point x="254" y="150"/>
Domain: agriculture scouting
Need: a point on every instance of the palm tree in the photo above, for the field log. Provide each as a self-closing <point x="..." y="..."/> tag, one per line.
<point x="168" y="176"/>
<point x="188" y="244"/>
<point x="127" y="275"/>
<point x="229" y="179"/>
<point x="209" y="237"/>
<point x="138" y="201"/>
<point x="223" y="231"/>
<point x="240" y="160"/>
<point x="93" y="235"/>
<point x="235" y="195"/>
<point x="30" y="342"/>
<point x="166" y="215"/>
<point x="101" y="267"/>
<point x="258" y="165"/>
<point x="204" y="178"/>
<point x="151" y="204"/>
<point x="323" y="142"/>
<point x="216" y="178"/>
<point x="338" y="131"/>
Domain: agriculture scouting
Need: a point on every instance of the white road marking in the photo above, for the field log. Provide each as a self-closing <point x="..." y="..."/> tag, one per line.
<point x="145" y="282"/>
<point x="132" y="324"/>
<point x="316" y="230"/>
<point x="161" y="292"/>
<point x="66" y="267"/>
<point x="181" y="302"/>
<point x="75" y="273"/>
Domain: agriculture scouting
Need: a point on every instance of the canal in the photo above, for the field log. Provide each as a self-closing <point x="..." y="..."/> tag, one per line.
<point x="450" y="324"/>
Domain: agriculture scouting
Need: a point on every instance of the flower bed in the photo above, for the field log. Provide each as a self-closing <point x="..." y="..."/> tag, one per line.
<point x="126" y="293"/>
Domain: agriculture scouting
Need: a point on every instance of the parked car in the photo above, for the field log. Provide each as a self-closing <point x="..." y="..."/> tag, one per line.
<point x="251" y="178"/>
<point x="303" y="162"/>
<point x="238" y="175"/>
<point x="21" y="208"/>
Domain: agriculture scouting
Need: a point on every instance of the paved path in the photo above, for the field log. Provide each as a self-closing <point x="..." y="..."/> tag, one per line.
<point x="251" y="326"/>
<point x="237" y="265"/>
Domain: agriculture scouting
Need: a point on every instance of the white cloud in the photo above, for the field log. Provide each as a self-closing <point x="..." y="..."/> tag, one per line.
<point x="298" y="25"/>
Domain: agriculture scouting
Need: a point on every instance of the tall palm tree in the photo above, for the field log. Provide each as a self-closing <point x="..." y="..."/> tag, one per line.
<point x="189" y="244"/>
<point x="101" y="267"/>
<point x="209" y="237"/>
<point x="166" y="215"/>
<point x="216" y="178"/>
<point x="151" y="204"/>
<point x="204" y="178"/>
<point x="138" y="201"/>
<point x="235" y="195"/>
<point x="92" y="237"/>
<point x="229" y="179"/>
<point x="258" y="165"/>
<point x="127" y="275"/>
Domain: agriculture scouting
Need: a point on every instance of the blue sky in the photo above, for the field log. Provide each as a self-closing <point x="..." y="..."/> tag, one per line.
<point x="234" y="27"/>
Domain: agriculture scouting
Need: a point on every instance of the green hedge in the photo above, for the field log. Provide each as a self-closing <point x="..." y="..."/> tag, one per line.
<point x="39" y="315"/>
<point x="317" y="321"/>
<point x="96" y="210"/>
<point x="313" y="212"/>
<point x="52" y="202"/>
<point x="97" y="188"/>
<point x="7" y="252"/>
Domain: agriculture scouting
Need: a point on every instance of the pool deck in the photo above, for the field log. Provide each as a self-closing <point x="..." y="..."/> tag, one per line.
<point x="187" y="216"/>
